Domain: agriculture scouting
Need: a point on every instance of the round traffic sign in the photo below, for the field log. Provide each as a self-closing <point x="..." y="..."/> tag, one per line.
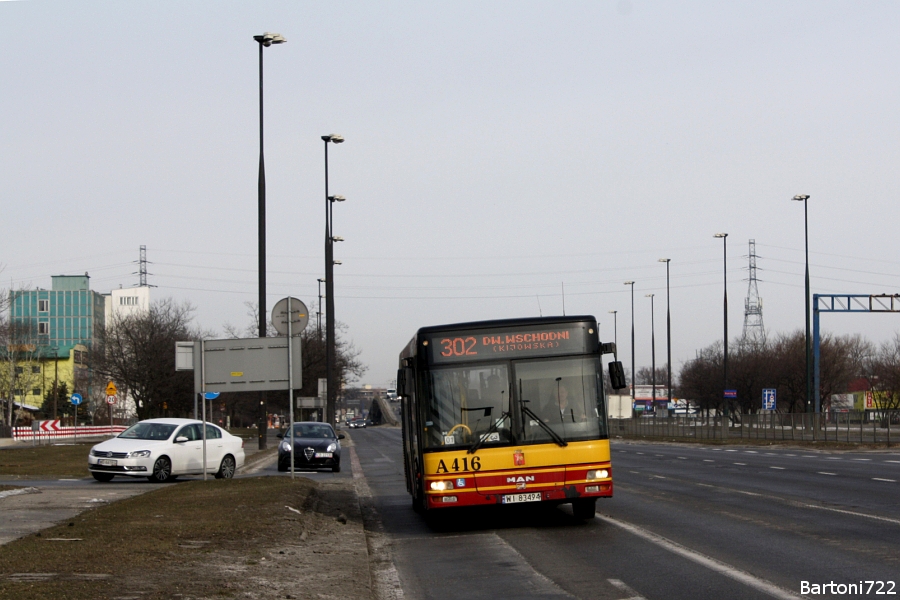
<point x="76" y="399"/>
<point x="300" y="316"/>
<point x="111" y="399"/>
<point x="211" y="395"/>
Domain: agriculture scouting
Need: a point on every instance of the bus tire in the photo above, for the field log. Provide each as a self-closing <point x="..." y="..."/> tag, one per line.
<point x="584" y="508"/>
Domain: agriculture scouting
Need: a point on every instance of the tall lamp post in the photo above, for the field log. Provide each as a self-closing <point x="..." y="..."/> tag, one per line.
<point x="319" y="311"/>
<point x="668" y="334"/>
<point x="331" y="391"/>
<point x="615" y="331"/>
<point x="265" y="40"/>
<point x="652" y="351"/>
<point x="809" y="392"/>
<point x="724" y="237"/>
<point x="631" y="283"/>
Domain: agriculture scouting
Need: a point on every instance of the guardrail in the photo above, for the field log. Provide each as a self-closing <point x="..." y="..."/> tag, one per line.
<point x="29" y="434"/>
<point x="853" y="427"/>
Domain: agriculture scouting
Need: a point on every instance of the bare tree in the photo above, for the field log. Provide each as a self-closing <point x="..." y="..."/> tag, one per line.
<point x="883" y="369"/>
<point x="137" y="351"/>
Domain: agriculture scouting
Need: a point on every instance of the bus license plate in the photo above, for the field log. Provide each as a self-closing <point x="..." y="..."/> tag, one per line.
<point x="106" y="462"/>
<point x="515" y="498"/>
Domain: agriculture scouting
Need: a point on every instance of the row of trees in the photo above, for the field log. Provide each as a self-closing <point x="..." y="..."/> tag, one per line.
<point x="780" y="363"/>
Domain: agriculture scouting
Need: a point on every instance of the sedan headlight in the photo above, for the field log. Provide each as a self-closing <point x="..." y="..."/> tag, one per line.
<point x="139" y="454"/>
<point x="331" y="447"/>
<point x="285" y="446"/>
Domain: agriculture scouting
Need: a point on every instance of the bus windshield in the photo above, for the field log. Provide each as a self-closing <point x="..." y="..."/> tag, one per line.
<point x="468" y="405"/>
<point x="552" y="401"/>
<point x="562" y="395"/>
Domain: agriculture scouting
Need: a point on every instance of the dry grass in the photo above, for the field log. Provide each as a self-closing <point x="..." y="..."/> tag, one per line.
<point x="182" y="539"/>
<point x="64" y="460"/>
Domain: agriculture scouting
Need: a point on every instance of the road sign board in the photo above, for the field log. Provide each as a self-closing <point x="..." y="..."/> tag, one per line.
<point x="731" y="393"/>
<point x="280" y="316"/>
<point x="211" y="395"/>
<point x="111" y="389"/>
<point x="50" y="425"/>
<point x="768" y="399"/>
<point x="76" y="399"/>
<point x="112" y="399"/>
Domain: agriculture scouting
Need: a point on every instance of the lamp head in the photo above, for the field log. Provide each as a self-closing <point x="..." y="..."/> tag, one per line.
<point x="321" y="280"/>
<point x="649" y="295"/>
<point x="801" y="197"/>
<point x="665" y="260"/>
<point x="721" y="235"/>
<point x="629" y="283"/>
<point x="267" y="39"/>
<point x="333" y="137"/>
<point x="336" y="198"/>
<point x="612" y="312"/>
<point x="336" y="262"/>
<point x="337" y="238"/>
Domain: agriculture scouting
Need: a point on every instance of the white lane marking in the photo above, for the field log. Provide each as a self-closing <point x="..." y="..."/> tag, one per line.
<point x="384" y="572"/>
<point x="705" y="485"/>
<point x="731" y="451"/>
<point x="657" y="455"/>
<point x="636" y="472"/>
<point x="708" y="460"/>
<point x="888" y="480"/>
<point x="682" y="457"/>
<point x="826" y="473"/>
<point x="742" y="464"/>
<point x="893" y="461"/>
<point x="743" y="577"/>
<point x="793" y="455"/>
<point x="833" y="458"/>
<point x="750" y="452"/>
<point x="640" y="453"/>
<point x="771" y="454"/>
<point x="632" y="595"/>
<point x="862" y="459"/>
<point x="779" y="468"/>
<point x="661" y="477"/>
<point x="749" y="493"/>
<point x="804" y="456"/>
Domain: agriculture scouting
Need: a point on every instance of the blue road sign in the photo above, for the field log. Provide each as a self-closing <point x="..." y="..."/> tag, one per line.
<point x="731" y="393"/>
<point x="76" y="399"/>
<point x="211" y="395"/>
<point x="768" y="399"/>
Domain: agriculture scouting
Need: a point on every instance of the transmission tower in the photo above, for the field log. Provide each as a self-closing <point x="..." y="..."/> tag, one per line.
<point x="142" y="267"/>
<point x="754" y="331"/>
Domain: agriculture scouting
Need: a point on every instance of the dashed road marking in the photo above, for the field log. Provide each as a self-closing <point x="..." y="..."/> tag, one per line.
<point x="632" y="595"/>
<point x="741" y="464"/>
<point x="708" y="460"/>
<point x="881" y="479"/>
<point x="682" y="457"/>
<point x="826" y="473"/>
<point x="779" y="468"/>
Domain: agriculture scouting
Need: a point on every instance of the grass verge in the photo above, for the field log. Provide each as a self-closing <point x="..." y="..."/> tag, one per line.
<point x="193" y="539"/>
<point x="64" y="460"/>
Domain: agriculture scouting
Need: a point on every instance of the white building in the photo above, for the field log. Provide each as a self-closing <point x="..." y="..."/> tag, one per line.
<point x="127" y="301"/>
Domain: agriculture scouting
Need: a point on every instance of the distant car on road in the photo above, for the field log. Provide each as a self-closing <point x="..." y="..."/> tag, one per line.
<point x="316" y="446"/>
<point x="163" y="449"/>
<point x="357" y="423"/>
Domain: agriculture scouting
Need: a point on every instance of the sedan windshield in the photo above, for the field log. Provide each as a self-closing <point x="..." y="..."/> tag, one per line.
<point x="313" y="431"/>
<point x="148" y="431"/>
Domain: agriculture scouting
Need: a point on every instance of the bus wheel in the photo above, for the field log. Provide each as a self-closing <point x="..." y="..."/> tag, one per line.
<point x="584" y="508"/>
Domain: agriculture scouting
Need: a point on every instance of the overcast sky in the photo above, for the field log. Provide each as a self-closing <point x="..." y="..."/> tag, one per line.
<point x="495" y="152"/>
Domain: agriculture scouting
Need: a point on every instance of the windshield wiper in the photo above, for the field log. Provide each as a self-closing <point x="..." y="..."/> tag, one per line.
<point x="544" y="426"/>
<point x="493" y="428"/>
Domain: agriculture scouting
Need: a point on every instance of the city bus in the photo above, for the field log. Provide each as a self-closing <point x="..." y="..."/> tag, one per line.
<point x="507" y="412"/>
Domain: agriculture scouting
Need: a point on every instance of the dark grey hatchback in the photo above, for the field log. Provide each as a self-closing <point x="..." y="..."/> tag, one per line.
<point x="316" y="446"/>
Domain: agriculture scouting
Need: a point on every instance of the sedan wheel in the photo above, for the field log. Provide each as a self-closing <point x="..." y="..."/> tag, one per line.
<point x="162" y="470"/>
<point x="226" y="470"/>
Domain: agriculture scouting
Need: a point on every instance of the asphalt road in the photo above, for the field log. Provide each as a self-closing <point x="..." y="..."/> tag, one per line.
<point x="685" y="522"/>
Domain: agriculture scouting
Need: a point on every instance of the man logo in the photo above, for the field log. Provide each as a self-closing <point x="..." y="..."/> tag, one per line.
<point x="520" y="479"/>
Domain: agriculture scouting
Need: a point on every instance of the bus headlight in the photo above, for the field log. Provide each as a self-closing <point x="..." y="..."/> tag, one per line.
<point x="441" y="486"/>
<point x="597" y="474"/>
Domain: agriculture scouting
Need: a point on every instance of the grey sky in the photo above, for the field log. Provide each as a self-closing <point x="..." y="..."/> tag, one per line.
<point x="494" y="151"/>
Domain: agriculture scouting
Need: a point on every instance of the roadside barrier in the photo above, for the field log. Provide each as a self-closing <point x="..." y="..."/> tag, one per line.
<point x="55" y="432"/>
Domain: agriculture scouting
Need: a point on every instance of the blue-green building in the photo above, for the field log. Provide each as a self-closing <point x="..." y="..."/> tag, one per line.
<point x="69" y="313"/>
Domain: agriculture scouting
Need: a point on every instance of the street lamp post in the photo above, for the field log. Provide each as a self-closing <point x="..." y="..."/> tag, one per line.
<point x="319" y="311"/>
<point x="331" y="391"/>
<point x="631" y="283"/>
<point x="652" y="351"/>
<point x="265" y="40"/>
<point x="668" y="334"/>
<point x="724" y="237"/>
<point x="615" y="332"/>
<point x="809" y="391"/>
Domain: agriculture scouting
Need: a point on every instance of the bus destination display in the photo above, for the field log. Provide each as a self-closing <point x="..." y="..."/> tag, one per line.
<point x="508" y="343"/>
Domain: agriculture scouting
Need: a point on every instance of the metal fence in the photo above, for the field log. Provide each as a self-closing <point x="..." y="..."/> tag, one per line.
<point x="853" y="427"/>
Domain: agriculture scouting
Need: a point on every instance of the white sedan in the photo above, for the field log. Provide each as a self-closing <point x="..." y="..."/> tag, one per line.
<point x="163" y="449"/>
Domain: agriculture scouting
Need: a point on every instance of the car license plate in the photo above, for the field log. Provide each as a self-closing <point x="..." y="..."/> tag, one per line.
<point x="323" y="454"/>
<point x="515" y="498"/>
<point x="106" y="462"/>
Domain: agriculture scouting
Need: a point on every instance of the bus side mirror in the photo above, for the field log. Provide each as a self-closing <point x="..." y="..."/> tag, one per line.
<point x="617" y="375"/>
